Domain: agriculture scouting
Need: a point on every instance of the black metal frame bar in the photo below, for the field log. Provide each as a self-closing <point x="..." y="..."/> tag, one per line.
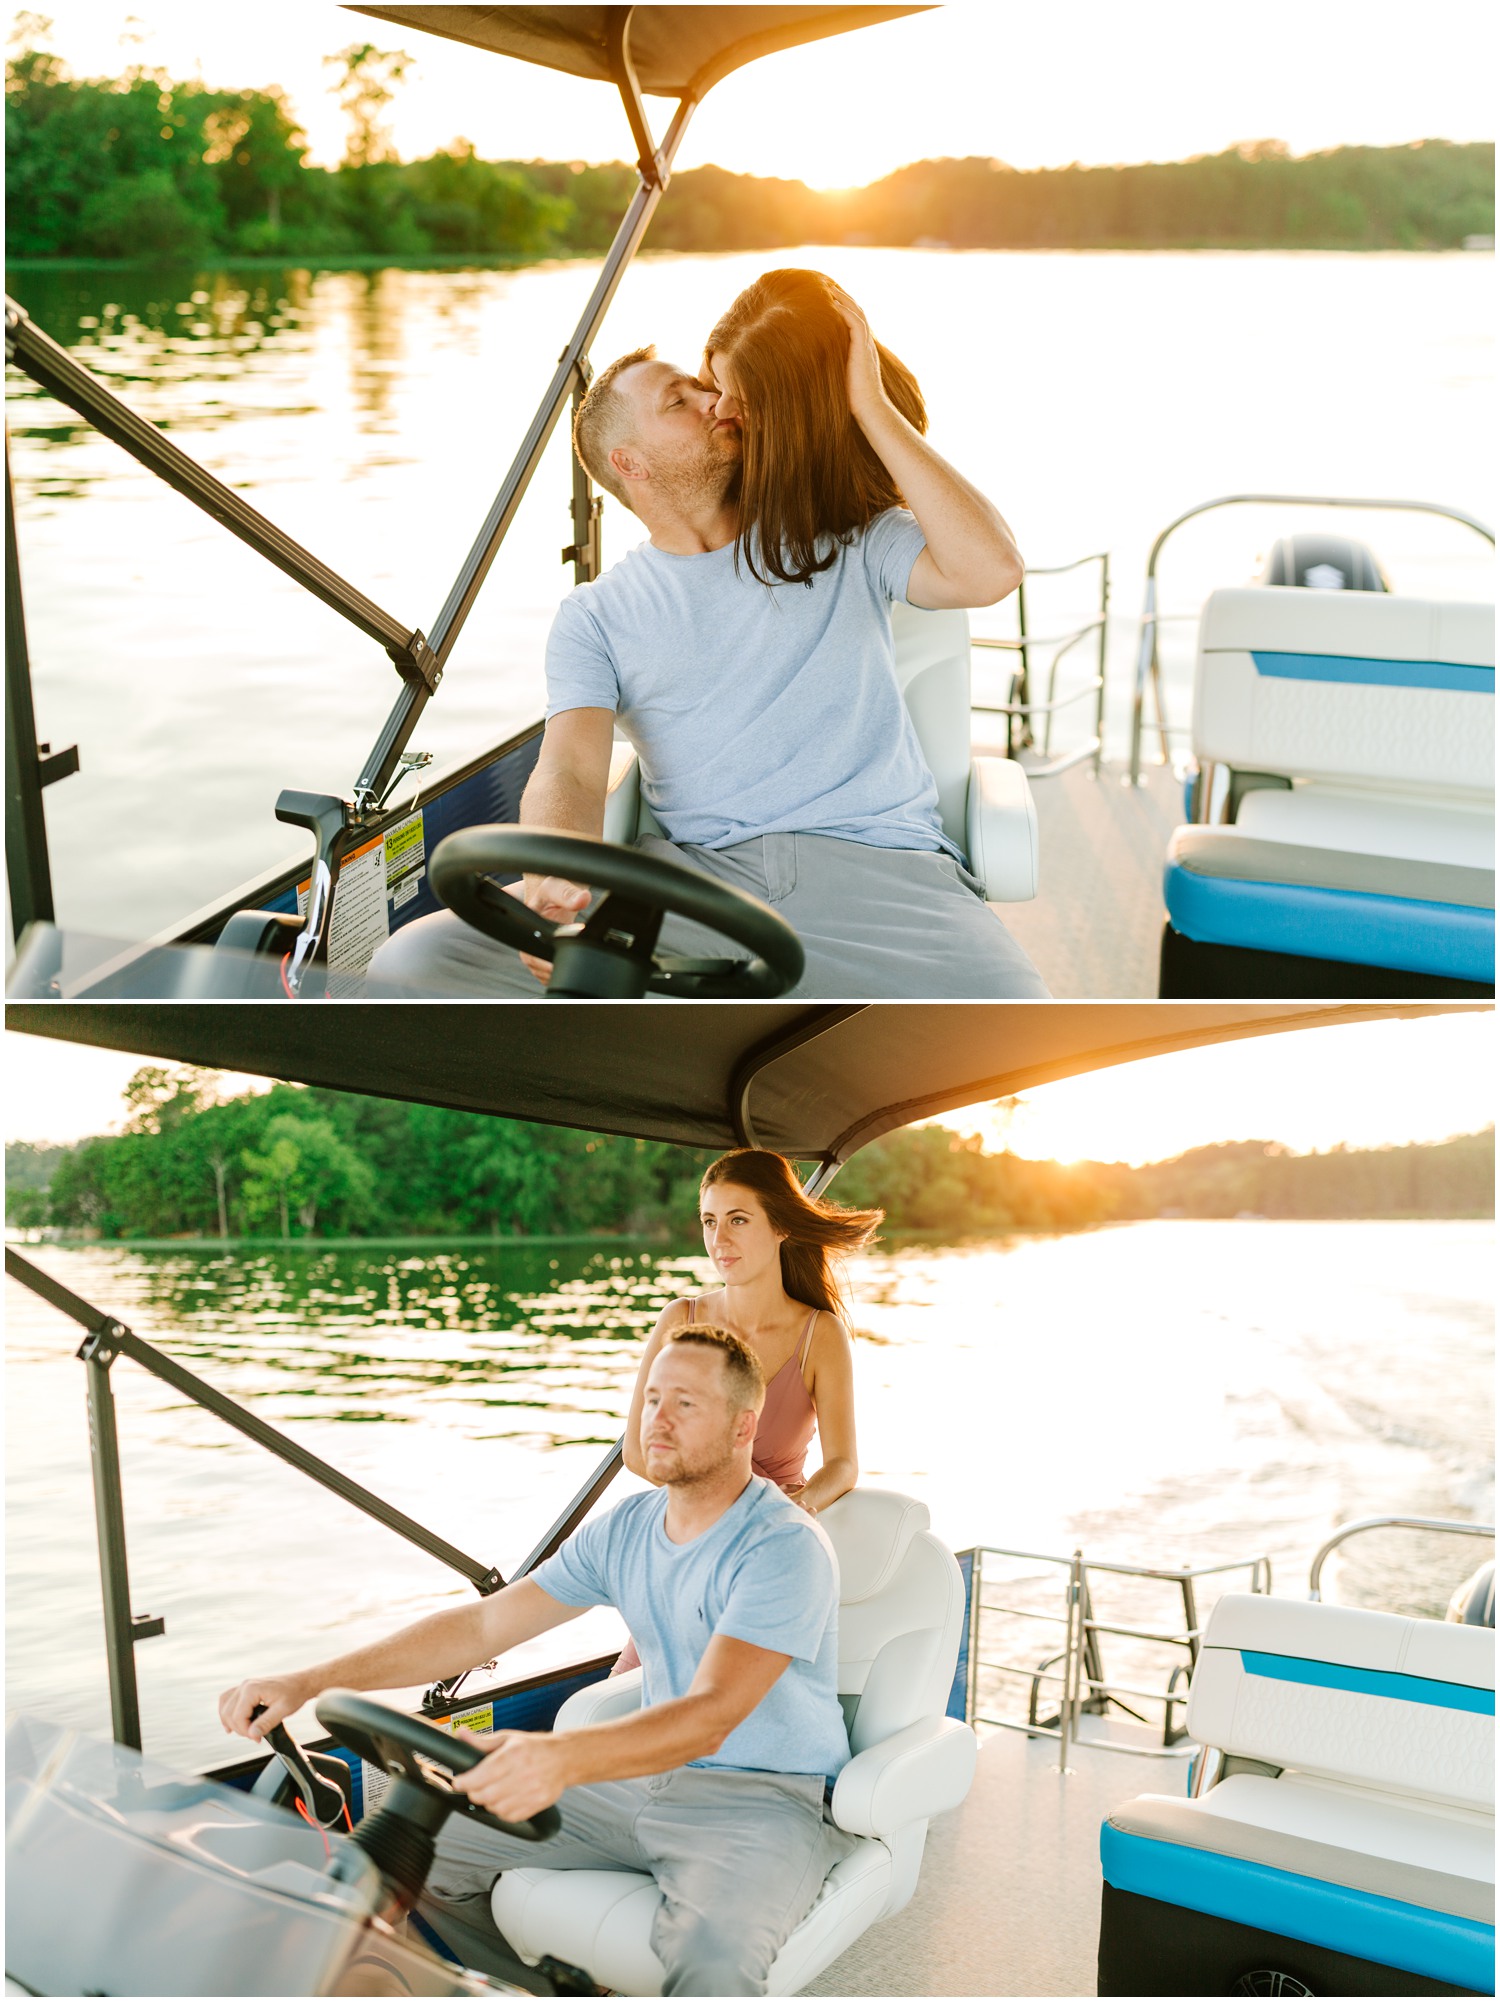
<point x="29" y="766"/>
<point x="571" y="374"/>
<point x="55" y="370"/>
<point x="444" y="1694"/>
<point x="109" y="1522"/>
<point x="105" y="1340"/>
<point x="419" y="660"/>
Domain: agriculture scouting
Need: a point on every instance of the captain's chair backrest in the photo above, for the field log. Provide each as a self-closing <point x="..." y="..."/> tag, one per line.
<point x="1357" y="686"/>
<point x="933" y="669"/>
<point x="1372" y="1699"/>
<point x="901" y="1613"/>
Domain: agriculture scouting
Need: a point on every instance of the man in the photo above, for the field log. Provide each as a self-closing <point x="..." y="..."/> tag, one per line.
<point x="776" y="749"/>
<point x="716" y="1785"/>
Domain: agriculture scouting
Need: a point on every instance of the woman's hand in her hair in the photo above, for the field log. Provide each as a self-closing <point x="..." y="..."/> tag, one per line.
<point x="866" y="389"/>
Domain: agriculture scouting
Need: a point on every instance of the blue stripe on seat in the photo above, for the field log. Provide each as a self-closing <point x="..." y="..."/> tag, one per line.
<point x="1375" y="673"/>
<point x="1453" y="941"/>
<point x="1386" y="1930"/>
<point x="1371" y="1682"/>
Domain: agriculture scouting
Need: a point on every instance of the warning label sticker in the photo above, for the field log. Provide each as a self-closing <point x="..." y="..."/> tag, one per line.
<point x="405" y="850"/>
<point x="379" y="876"/>
<point x="482" y="1719"/>
<point x="360" y="920"/>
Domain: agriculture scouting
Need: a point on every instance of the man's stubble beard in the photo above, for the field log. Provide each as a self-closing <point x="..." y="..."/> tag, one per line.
<point x="708" y="1469"/>
<point x="707" y="477"/>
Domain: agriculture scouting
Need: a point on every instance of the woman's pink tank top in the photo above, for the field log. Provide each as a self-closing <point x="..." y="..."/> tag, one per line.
<point x="788" y="1418"/>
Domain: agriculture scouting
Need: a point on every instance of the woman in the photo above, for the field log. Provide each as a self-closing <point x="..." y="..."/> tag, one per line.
<point x="771" y="1244"/>
<point x="787" y="346"/>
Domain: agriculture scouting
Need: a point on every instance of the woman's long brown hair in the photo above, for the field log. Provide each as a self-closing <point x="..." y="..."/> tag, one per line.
<point x="814" y="1231"/>
<point x="809" y="477"/>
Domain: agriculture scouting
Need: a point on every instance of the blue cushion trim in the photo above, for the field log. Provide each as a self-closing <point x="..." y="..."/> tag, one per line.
<point x="1377" y="673"/>
<point x="1371" y="1682"/>
<point x="1410" y="1937"/>
<point x="1454" y="941"/>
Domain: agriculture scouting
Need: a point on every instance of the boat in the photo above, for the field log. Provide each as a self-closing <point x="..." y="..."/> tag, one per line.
<point x="1296" y="869"/>
<point x="983" y="1873"/>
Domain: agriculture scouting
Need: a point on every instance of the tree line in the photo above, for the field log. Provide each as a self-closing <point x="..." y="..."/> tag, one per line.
<point x="145" y="166"/>
<point x="305" y="1162"/>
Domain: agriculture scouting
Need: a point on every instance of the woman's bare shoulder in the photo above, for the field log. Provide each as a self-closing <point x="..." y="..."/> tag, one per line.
<point x="830" y="1337"/>
<point x="676" y="1312"/>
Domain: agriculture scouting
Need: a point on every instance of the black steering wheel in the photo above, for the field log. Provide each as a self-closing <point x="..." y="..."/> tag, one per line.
<point x="399" y="1836"/>
<point x="612" y="954"/>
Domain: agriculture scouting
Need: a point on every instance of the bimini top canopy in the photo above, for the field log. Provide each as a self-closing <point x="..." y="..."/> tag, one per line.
<point x="813" y="1082"/>
<point x="674" y="51"/>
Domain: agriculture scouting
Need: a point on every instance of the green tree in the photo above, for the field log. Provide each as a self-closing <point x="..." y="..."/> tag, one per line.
<point x="367" y="77"/>
<point x="256" y="148"/>
<point x="303" y="1165"/>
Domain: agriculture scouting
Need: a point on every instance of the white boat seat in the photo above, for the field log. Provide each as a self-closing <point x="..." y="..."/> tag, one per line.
<point x="1365" y="1829"/>
<point x="1370" y="836"/>
<point x="901" y="1614"/>
<point x="984" y="803"/>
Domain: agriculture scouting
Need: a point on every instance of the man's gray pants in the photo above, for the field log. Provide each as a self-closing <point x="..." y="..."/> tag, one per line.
<point x="876" y="924"/>
<point x="739" y="1858"/>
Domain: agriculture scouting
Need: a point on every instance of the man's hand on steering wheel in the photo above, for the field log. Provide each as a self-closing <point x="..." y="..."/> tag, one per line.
<point x="612" y="954"/>
<point x="562" y="902"/>
<point x="522" y="1772"/>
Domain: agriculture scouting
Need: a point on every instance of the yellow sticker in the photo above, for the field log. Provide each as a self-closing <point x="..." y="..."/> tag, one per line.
<point x="472" y="1720"/>
<point x="404" y="848"/>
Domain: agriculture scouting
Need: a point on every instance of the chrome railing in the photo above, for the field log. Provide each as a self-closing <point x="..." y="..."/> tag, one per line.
<point x="1147" y="657"/>
<point x="1315" y="1573"/>
<point x="1022" y="710"/>
<point x="1081" y="1680"/>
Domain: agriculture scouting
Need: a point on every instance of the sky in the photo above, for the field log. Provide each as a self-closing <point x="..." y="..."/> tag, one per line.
<point x="1365" y="1085"/>
<point x="1035" y="86"/>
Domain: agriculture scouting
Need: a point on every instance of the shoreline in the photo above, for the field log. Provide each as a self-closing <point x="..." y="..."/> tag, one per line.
<point x="664" y="1245"/>
<point x="303" y="260"/>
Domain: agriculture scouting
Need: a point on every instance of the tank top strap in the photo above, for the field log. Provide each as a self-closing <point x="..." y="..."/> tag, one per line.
<point x="812" y="1322"/>
<point x="692" y="1312"/>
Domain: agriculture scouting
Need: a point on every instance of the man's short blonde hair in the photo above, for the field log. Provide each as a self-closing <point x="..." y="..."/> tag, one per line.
<point x="602" y="422"/>
<point x="743" y="1376"/>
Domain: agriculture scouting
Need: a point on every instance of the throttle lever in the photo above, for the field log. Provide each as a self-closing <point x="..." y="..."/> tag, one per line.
<point x="322" y="1799"/>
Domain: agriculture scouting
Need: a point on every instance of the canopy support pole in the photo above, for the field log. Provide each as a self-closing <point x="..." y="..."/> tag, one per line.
<point x="105" y="1340"/>
<point x="373" y="781"/>
<point x="29" y="766"/>
<point x="655" y="171"/>
<point x="55" y="370"/>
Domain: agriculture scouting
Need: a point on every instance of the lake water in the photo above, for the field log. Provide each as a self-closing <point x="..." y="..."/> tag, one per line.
<point x="372" y="416"/>
<point x="1166" y="1393"/>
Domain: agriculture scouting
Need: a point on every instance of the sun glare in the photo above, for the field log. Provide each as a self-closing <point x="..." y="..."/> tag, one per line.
<point x="1100" y="84"/>
<point x="1370" y="1084"/>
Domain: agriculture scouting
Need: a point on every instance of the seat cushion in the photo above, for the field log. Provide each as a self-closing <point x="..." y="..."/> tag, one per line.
<point x="601" y="1920"/>
<point x="1367" y="821"/>
<point x="1390" y="1705"/>
<point x="1270" y="908"/>
<point x="1396" y="1881"/>
<point x="1351" y="685"/>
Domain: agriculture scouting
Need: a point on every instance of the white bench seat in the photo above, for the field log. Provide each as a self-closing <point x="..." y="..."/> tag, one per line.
<point x="1366" y="834"/>
<point x="1359" y="1849"/>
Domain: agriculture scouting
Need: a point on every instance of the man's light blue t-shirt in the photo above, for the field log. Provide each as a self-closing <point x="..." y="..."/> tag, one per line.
<point x="757" y="709"/>
<point x="765" y="1573"/>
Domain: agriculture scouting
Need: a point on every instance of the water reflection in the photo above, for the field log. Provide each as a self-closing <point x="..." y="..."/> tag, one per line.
<point x="353" y="1335"/>
<point x="1167" y="1393"/>
<point x="372" y="416"/>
